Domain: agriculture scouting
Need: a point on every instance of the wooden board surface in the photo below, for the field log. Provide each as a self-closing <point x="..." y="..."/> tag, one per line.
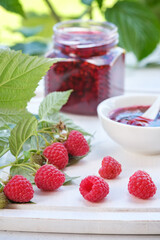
<point x="65" y="211"/>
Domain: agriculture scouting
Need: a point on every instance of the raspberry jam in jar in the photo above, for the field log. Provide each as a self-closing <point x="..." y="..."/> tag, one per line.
<point x="91" y="64"/>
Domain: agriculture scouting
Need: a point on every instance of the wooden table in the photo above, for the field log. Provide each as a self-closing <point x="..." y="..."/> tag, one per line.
<point x="64" y="214"/>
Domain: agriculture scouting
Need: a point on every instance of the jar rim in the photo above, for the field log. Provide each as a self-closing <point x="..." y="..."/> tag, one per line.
<point x="104" y="24"/>
<point x="109" y="32"/>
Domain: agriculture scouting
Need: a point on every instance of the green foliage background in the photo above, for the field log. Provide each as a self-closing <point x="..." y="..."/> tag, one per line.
<point x="29" y="28"/>
<point x="37" y="14"/>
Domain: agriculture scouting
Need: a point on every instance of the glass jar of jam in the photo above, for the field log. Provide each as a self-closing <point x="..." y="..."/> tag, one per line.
<point x="91" y="64"/>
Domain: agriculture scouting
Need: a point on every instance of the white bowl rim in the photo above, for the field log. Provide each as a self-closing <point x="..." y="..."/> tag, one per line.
<point x="101" y="106"/>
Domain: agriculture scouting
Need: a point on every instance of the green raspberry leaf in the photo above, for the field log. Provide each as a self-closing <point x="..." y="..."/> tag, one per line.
<point x="3" y="142"/>
<point x="24" y="171"/>
<point x="3" y="146"/>
<point x="3" y="150"/>
<point x="74" y="159"/>
<point x="68" y="179"/>
<point x="138" y="27"/>
<point x="26" y="155"/>
<point x="72" y="126"/>
<point x="19" y="77"/>
<point x="42" y="144"/>
<point x="57" y="117"/>
<point x="20" y="133"/>
<point x="13" y="116"/>
<point x="12" y="6"/>
<point x="53" y="103"/>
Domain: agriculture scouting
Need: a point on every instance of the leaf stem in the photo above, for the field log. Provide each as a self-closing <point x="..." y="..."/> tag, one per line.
<point x="19" y="157"/>
<point x="37" y="141"/>
<point x="46" y="142"/>
<point x="10" y="164"/>
<point x="25" y="166"/>
<point x="47" y="121"/>
<point x="7" y="127"/>
<point x="53" y="13"/>
<point x="48" y="132"/>
<point x="49" y="128"/>
<point x="90" y="12"/>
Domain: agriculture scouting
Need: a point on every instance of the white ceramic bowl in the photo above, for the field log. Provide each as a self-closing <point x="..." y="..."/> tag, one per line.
<point x="145" y="140"/>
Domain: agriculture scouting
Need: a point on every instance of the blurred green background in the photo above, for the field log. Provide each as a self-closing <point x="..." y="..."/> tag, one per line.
<point x="27" y="25"/>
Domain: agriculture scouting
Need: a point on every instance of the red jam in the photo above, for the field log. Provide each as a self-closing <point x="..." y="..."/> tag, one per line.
<point x="92" y="64"/>
<point x="132" y="116"/>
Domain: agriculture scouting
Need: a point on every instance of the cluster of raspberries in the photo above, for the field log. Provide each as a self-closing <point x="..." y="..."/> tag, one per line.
<point x="49" y="176"/>
<point x="94" y="188"/>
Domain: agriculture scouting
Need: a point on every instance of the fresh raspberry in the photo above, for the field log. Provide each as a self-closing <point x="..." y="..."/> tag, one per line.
<point x="93" y="188"/>
<point x="76" y="144"/>
<point x="141" y="185"/>
<point x="19" y="189"/>
<point x="110" y="169"/>
<point x="49" y="178"/>
<point x="57" y="155"/>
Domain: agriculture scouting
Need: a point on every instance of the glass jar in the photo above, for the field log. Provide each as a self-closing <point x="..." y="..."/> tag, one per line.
<point x="92" y="64"/>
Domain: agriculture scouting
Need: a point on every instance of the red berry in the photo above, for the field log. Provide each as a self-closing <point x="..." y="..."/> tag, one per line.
<point x="49" y="178"/>
<point x="19" y="189"/>
<point x="93" y="188"/>
<point x="110" y="169"/>
<point x="76" y="144"/>
<point x="141" y="185"/>
<point x="57" y="155"/>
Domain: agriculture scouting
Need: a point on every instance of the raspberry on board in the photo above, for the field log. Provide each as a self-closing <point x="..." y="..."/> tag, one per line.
<point x="76" y="144"/>
<point x="49" y="178"/>
<point x="19" y="189"/>
<point x="141" y="185"/>
<point x="94" y="188"/>
<point x="57" y="155"/>
<point x="110" y="169"/>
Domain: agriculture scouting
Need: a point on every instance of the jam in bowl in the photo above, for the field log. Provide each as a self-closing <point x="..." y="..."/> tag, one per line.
<point x="132" y="116"/>
<point x="114" y="114"/>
